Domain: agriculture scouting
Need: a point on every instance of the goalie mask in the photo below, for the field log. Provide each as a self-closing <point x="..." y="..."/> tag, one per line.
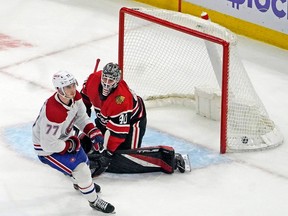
<point x="62" y="79"/>
<point x="110" y="78"/>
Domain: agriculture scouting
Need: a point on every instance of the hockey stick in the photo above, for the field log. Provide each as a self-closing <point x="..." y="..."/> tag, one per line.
<point x="76" y="130"/>
<point x="96" y="65"/>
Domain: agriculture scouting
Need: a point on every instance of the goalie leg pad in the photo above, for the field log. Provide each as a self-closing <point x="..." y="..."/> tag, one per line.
<point x="143" y="160"/>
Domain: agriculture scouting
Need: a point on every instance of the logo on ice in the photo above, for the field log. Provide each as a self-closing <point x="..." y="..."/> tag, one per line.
<point x="278" y="7"/>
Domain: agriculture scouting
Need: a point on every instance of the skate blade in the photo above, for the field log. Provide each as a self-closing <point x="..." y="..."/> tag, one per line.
<point x="103" y="213"/>
<point x="187" y="162"/>
<point x="100" y="212"/>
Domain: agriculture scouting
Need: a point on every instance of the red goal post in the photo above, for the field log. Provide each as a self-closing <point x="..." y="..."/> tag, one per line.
<point x="192" y="54"/>
<point x="179" y="5"/>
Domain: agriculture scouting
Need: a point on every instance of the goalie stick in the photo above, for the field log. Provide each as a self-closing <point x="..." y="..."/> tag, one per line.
<point x="96" y="65"/>
<point x="76" y="129"/>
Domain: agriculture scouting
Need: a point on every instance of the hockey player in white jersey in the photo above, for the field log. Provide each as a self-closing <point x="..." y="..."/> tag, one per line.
<point x="55" y="143"/>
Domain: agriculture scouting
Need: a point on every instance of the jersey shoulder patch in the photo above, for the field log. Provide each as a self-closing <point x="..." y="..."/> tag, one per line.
<point x="55" y="112"/>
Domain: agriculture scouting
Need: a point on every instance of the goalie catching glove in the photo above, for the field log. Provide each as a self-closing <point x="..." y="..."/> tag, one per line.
<point x="99" y="162"/>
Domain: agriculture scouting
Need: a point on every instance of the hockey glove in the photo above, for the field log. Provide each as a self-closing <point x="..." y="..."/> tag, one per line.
<point x="73" y="144"/>
<point x="97" y="140"/>
<point x="99" y="162"/>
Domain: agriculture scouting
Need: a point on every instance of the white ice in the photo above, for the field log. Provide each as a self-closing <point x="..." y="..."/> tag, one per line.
<point x="70" y="35"/>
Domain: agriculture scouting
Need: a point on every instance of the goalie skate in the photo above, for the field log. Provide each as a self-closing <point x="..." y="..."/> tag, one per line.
<point x="187" y="162"/>
<point x="182" y="163"/>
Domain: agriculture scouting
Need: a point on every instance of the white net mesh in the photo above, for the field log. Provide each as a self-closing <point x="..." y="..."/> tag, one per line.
<point x="161" y="62"/>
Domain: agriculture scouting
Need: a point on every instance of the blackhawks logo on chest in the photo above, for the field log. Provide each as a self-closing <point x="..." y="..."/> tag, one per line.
<point x="119" y="99"/>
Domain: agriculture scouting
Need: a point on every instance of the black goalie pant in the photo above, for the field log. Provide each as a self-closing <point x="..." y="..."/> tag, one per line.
<point x="143" y="160"/>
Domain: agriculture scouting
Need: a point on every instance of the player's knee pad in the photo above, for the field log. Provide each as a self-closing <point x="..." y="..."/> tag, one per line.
<point x="82" y="175"/>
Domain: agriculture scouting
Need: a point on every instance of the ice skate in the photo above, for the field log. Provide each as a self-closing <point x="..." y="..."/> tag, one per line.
<point x="182" y="162"/>
<point x="179" y="163"/>
<point x="103" y="206"/>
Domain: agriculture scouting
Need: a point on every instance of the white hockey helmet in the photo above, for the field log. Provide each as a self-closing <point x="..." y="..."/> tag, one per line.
<point x="62" y="79"/>
<point x="111" y="75"/>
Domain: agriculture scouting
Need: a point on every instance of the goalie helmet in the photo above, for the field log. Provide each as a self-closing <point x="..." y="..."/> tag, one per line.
<point x="111" y="75"/>
<point x="62" y="79"/>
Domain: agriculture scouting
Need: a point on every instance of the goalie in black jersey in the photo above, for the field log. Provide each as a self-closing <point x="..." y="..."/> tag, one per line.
<point x="121" y="118"/>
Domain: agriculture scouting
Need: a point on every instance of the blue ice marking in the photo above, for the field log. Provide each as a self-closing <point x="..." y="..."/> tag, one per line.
<point x="199" y="156"/>
<point x="20" y="139"/>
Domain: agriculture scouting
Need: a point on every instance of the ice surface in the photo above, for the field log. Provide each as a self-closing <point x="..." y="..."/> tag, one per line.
<point x="70" y="35"/>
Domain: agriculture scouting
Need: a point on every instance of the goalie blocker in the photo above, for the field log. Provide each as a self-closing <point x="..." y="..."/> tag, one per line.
<point x="139" y="160"/>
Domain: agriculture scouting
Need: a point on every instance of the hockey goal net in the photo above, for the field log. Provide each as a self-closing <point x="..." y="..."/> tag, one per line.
<point x="167" y="55"/>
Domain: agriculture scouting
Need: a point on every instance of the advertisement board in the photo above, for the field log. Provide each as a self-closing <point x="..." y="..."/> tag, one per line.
<point x="272" y="14"/>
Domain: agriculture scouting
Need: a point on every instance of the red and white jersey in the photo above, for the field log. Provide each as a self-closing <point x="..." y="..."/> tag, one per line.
<point x="116" y="112"/>
<point x="55" y="122"/>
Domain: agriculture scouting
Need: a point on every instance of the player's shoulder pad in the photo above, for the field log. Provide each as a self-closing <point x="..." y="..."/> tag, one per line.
<point x="95" y="75"/>
<point x="123" y="88"/>
<point x="55" y="112"/>
<point x="78" y="96"/>
<point x="93" y="78"/>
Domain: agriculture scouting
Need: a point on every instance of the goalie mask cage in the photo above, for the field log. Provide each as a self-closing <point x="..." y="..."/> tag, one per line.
<point x="167" y="55"/>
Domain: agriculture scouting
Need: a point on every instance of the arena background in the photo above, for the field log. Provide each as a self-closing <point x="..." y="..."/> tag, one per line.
<point x="259" y="32"/>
